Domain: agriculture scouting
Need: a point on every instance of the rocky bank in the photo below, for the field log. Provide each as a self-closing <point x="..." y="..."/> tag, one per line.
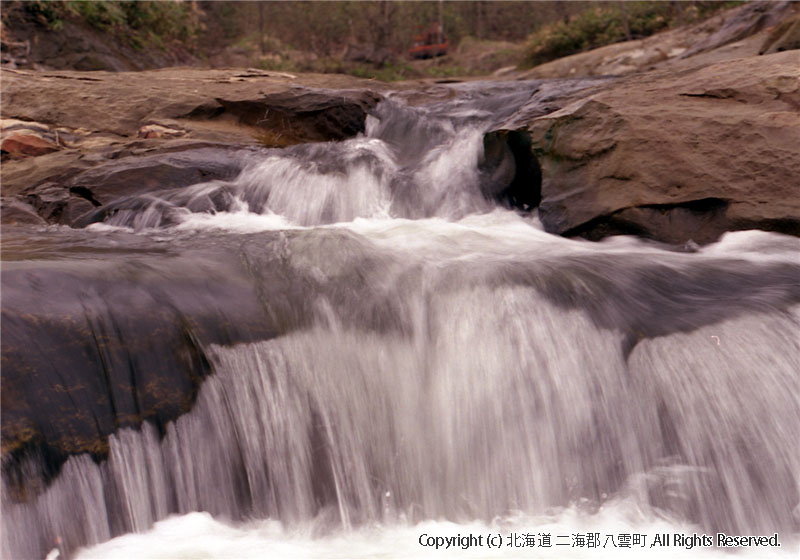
<point x="677" y="157"/>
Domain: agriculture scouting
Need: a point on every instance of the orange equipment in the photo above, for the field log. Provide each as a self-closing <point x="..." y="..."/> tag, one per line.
<point x="430" y="43"/>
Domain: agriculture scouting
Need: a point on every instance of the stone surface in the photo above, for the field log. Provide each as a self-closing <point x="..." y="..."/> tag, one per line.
<point x="741" y="23"/>
<point x="122" y="340"/>
<point x="122" y="102"/>
<point x="303" y="115"/>
<point x="21" y="145"/>
<point x="784" y="37"/>
<point x="677" y="158"/>
<point x="84" y="196"/>
<point x="15" y="212"/>
<point x="158" y="131"/>
<point x="131" y="126"/>
<point x="730" y="34"/>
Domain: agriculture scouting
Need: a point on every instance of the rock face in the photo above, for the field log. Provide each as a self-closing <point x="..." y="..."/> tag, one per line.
<point x="305" y="115"/>
<point x="677" y="158"/>
<point x="68" y="200"/>
<point x="121" y="134"/>
<point x="24" y="145"/>
<point x="28" y="42"/>
<point x="734" y="33"/>
<point x="198" y="99"/>
<point x="118" y="335"/>
<point x="742" y="23"/>
<point x="784" y="37"/>
<point x="123" y="342"/>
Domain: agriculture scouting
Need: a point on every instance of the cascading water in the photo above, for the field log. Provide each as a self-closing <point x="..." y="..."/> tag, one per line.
<point x="443" y="362"/>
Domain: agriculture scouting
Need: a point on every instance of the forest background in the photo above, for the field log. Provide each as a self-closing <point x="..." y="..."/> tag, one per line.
<point x="363" y="38"/>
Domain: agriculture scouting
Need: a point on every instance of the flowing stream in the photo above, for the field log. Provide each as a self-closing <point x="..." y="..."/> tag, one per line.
<point x="437" y="365"/>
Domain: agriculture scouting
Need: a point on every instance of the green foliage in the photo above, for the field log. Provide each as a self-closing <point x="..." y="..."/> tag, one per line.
<point x="605" y="24"/>
<point x="446" y="71"/>
<point x="102" y="15"/>
<point x="169" y="20"/>
<point x="145" y="22"/>
<point x="315" y="36"/>
<point x="46" y="12"/>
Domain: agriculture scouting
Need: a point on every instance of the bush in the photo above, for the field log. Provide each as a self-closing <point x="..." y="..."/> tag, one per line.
<point x="103" y="15"/>
<point x="603" y="25"/>
<point x="143" y="21"/>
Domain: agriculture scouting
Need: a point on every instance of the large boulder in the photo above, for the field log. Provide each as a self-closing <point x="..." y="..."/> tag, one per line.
<point x="236" y="101"/>
<point x="677" y="157"/>
<point x="119" y="337"/>
<point x="115" y="135"/>
<point x="72" y="192"/>
<point x="302" y="115"/>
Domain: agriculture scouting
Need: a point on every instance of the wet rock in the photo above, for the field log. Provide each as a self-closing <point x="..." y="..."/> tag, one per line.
<point x="93" y="346"/>
<point x="15" y="212"/>
<point x="83" y="196"/>
<point x="103" y="125"/>
<point x="117" y="334"/>
<point x="677" y="158"/>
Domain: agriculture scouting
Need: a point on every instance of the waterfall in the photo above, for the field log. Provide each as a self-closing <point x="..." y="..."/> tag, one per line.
<point x="448" y="359"/>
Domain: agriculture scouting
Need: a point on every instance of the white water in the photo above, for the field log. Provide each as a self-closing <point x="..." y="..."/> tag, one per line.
<point x="464" y="372"/>
<point x="496" y="406"/>
<point x="199" y="535"/>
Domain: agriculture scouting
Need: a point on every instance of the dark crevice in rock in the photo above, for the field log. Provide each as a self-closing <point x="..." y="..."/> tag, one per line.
<point x="788" y="226"/>
<point x="510" y="173"/>
<point x="86" y="194"/>
<point x="525" y="190"/>
<point x="701" y="221"/>
<point x="80" y="78"/>
<point x="605" y="226"/>
<point x="710" y="204"/>
<point x="724" y="93"/>
<point x="204" y="111"/>
<point x="296" y="117"/>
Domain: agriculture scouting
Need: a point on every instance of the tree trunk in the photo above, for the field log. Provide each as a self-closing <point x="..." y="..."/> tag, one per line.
<point x="479" y="24"/>
<point x="385" y="28"/>
<point x="441" y="21"/>
<point x="626" y="26"/>
<point x="677" y="11"/>
<point x="261" y="27"/>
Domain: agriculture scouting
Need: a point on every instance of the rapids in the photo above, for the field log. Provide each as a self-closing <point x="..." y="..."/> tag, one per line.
<point x="436" y="363"/>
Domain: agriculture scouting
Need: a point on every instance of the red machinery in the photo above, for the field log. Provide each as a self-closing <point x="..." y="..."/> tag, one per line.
<point x="431" y="43"/>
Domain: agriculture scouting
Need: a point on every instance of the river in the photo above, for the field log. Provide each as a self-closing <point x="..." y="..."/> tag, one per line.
<point x="389" y="354"/>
